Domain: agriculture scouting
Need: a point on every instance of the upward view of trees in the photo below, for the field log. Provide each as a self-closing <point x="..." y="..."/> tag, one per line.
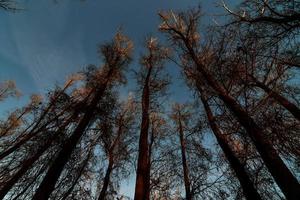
<point x="238" y="137"/>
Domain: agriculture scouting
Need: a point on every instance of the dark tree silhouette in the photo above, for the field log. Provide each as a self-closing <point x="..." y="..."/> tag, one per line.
<point x="116" y="56"/>
<point x="182" y="30"/>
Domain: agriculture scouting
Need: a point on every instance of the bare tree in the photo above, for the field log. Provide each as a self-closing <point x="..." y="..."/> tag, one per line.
<point x="116" y="138"/>
<point x="182" y="30"/>
<point x="116" y="56"/>
<point x="152" y="82"/>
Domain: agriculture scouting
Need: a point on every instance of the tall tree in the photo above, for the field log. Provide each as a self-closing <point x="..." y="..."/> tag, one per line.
<point x="152" y="82"/>
<point x="116" y="57"/>
<point x="182" y="29"/>
<point x="116" y="134"/>
<point x="247" y="184"/>
<point x="179" y="116"/>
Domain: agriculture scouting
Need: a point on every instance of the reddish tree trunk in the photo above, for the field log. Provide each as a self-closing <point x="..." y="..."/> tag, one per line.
<point x="142" y="187"/>
<point x="247" y="185"/>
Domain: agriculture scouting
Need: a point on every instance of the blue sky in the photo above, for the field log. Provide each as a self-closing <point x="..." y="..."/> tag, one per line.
<point x="46" y="41"/>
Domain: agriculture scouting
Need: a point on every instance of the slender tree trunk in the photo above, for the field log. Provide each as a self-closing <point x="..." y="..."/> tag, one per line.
<point x="142" y="187"/>
<point x="281" y="173"/>
<point x="247" y="185"/>
<point x="294" y="110"/>
<point x="188" y="194"/>
<point x="106" y="180"/>
<point x="47" y="185"/>
<point x="111" y="161"/>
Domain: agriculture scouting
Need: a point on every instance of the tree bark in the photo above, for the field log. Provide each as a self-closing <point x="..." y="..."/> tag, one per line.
<point x="142" y="187"/>
<point x="247" y="185"/>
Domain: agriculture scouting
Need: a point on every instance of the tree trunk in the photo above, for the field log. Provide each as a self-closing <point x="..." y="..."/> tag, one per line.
<point x="106" y="180"/>
<point x="188" y="194"/>
<point x="247" y="185"/>
<point x="281" y="173"/>
<point x="111" y="161"/>
<point x="294" y="110"/>
<point x="26" y="165"/>
<point x="47" y="185"/>
<point x="85" y="162"/>
<point x="32" y="181"/>
<point x="142" y="187"/>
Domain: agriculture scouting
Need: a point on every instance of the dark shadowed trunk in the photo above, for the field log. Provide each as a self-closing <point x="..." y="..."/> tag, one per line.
<point x="84" y="164"/>
<point x="247" y="185"/>
<point x="47" y="185"/>
<point x="106" y="180"/>
<point x="188" y="194"/>
<point x="42" y="170"/>
<point x="111" y="161"/>
<point x="281" y="173"/>
<point x="142" y="187"/>
<point x="26" y="165"/>
<point x="294" y="110"/>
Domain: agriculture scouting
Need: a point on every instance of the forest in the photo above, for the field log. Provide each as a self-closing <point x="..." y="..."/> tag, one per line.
<point x="237" y="137"/>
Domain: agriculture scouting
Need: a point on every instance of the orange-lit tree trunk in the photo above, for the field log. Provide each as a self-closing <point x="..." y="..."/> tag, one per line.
<point x="142" y="187"/>
<point x="247" y="185"/>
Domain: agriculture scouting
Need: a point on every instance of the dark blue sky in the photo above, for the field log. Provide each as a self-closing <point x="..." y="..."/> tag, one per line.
<point x="45" y="42"/>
